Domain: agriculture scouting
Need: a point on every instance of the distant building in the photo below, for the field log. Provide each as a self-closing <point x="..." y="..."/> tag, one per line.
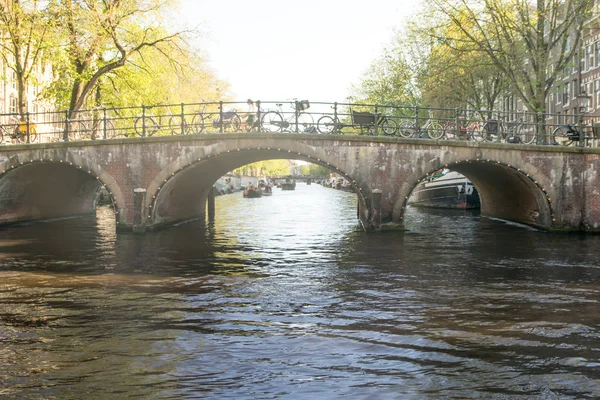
<point x="577" y="89"/>
<point x="40" y="111"/>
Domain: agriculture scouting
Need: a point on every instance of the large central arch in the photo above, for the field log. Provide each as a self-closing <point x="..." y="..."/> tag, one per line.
<point x="180" y="192"/>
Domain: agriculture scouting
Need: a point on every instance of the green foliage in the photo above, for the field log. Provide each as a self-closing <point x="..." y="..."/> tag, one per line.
<point x="314" y="170"/>
<point x="467" y="53"/>
<point x="265" y="168"/>
<point x="529" y="42"/>
<point x="106" y="53"/>
<point x="390" y="79"/>
<point x="126" y="52"/>
<point x="26" y="32"/>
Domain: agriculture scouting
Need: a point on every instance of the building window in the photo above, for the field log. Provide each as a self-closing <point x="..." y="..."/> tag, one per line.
<point x="597" y="54"/>
<point x="14" y="80"/>
<point x="13" y="105"/>
<point x="588" y="58"/>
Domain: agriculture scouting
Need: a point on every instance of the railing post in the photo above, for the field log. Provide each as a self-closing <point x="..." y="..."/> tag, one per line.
<point x="417" y="126"/>
<point x="296" y="113"/>
<point x="258" y="120"/>
<point x="221" y="122"/>
<point x="143" y="120"/>
<point x="376" y="121"/>
<point x="104" y="122"/>
<point x="335" y="117"/>
<point x="67" y="126"/>
<point x="458" y="130"/>
<point x="182" y="119"/>
<point x="28" y="126"/>
<point x="541" y="137"/>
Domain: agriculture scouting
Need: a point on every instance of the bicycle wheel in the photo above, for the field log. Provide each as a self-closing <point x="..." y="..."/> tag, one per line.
<point x="232" y="124"/>
<point x="406" y="129"/>
<point x="527" y="134"/>
<point x="476" y="132"/>
<point x="305" y="122"/>
<point x="389" y="127"/>
<point x="77" y="130"/>
<point x="271" y="122"/>
<point x="33" y="136"/>
<point x="109" y="130"/>
<point x="177" y="127"/>
<point x="561" y="136"/>
<point x="486" y="133"/>
<point x="197" y="125"/>
<point x="326" y="124"/>
<point x="151" y="126"/>
<point x="450" y="131"/>
<point x="434" y="130"/>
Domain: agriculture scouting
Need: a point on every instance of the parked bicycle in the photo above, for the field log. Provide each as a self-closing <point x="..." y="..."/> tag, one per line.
<point x="149" y="124"/>
<point x="17" y="133"/>
<point x="499" y="130"/>
<point x="566" y="135"/>
<point x="298" y="121"/>
<point x="431" y="128"/>
<point x="466" y="129"/>
<point x="365" y="121"/>
<point x="90" y="125"/>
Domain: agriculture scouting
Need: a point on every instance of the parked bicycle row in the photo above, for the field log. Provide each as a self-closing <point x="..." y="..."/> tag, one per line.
<point x="297" y="116"/>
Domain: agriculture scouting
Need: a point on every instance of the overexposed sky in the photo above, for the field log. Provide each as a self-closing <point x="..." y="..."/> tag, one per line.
<point x="282" y="49"/>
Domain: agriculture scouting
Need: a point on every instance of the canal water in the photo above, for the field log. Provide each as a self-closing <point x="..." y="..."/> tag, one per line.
<point x="285" y="297"/>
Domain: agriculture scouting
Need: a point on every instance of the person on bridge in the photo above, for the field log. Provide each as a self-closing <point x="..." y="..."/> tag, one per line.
<point x="249" y="119"/>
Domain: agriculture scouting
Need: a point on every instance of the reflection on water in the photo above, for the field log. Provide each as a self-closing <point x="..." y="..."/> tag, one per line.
<point x="285" y="297"/>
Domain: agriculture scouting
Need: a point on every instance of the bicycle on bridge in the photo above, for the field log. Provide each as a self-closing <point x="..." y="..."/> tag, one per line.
<point x="574" y="135"/>
<point x="296" y="121"/>
<point x="431" y="128"/>
<point x="503" y="130"/>
<point x="18" y="132"/>
<point x="464" y="128"/>
<point x="90" y="124"/>
<point x="367" y="122"/>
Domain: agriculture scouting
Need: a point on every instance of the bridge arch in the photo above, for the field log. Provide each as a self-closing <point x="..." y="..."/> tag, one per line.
<point x="46" y="188"/>
<point x="506" y="191"/>
<point x="179" y="192"/>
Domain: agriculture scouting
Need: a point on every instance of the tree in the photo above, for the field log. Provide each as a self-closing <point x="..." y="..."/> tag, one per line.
<point x="152" y="81"/>
<point x="531" y="42"/>
<point x="105" y="35"/>
<point x="315" y="170"/>
<point x="278" y="167"/>
<point x="424" y="67"/>
<point x="390" y="79"/>
<point x="456" y="75"/>
<point x="25" y="32"/>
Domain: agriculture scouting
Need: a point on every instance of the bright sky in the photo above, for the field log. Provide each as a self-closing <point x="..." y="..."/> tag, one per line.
<point x="305" y="49"/>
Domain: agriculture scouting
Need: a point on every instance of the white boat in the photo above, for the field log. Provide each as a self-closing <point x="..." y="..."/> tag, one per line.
<point x="446" y="189"/>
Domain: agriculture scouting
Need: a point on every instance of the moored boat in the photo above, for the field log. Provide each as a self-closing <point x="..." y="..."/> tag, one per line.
<point x="252" y="193"/>
<point x="288" y="185"/>
<point x="446" y="189"/>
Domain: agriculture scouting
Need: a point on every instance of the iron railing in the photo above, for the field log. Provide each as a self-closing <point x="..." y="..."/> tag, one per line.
<point x="298" y="116"/>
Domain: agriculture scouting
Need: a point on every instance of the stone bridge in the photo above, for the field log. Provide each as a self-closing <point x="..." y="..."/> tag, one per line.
<point x="159" y="181"/>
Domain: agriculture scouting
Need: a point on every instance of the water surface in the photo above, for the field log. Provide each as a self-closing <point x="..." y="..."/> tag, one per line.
<point x="286" y="297"/>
